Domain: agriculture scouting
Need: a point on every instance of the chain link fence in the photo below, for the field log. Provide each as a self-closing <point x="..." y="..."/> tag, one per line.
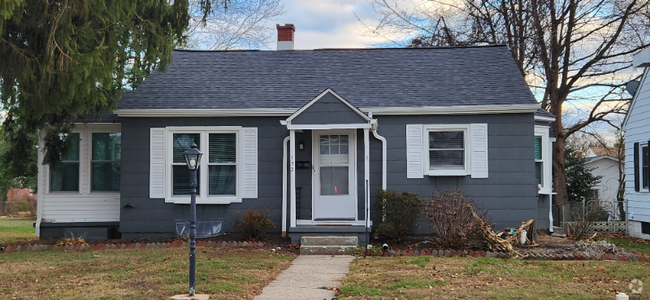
<point x="591" y="216"/>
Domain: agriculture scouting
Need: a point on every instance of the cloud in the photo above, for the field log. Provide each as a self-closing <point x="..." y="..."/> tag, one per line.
<point x="327" y="24"/>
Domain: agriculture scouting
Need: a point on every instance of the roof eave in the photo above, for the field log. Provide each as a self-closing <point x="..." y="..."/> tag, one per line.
<point x="283" y="112"/>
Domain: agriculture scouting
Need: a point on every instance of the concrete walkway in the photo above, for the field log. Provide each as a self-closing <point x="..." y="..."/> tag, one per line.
<point x="306" y="276"/>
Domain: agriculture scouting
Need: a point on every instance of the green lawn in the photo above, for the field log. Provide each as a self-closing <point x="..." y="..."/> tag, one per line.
<point x="630" y="245"/>
<point x="489" y="278"/>
<point x="225" y="273"/>
<point x="14" y="230"/>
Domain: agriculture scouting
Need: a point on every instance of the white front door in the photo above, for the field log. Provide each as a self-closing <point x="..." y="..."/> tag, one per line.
<point x="334" y="180"/>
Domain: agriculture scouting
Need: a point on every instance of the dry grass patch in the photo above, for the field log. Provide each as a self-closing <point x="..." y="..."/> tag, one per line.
<point x="137" y="274"/>
<point x="489" y="278"/>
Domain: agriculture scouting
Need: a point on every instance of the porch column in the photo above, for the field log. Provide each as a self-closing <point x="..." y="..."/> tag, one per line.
<point x="292" y="168"/>
<point x="366" y="166"/>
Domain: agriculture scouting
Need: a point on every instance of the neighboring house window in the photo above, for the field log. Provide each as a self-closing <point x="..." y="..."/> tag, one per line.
<point x="645" y="175"/>
<point x="539" y="162"/>
<point x="228" y="170"/>
<point x="65" y="176"/>
<point x="645" y="227"/>
<point x="105" y="162"/>
<point x="641" y="167"/>
<point x="447" y="150"/>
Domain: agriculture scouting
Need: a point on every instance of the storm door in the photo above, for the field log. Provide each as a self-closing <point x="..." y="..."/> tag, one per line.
<point x="334" y="176"/>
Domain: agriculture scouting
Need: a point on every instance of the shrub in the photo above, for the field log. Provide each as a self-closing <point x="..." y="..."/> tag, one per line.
<point x="255" y="224"/>
<point x="401" y="211"/>
<point x="452" y="220"/>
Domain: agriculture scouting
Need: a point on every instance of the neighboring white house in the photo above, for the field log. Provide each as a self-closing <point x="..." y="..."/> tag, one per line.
<point x="604" y="163"/>
<point x="637" y="135"/>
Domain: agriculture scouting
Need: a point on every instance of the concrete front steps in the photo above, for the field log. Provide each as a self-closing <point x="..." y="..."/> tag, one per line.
<point x="329" y="245"/>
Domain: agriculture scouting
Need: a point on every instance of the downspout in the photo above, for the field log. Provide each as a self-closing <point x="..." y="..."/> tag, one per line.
<point x="40" y="185"/>
<point x="284" y="186"/>
<point x="384" y="167"/>
<point x="550" y="212"/>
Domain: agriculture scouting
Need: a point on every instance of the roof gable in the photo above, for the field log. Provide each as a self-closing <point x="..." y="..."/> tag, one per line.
<point x="328" y="108"/>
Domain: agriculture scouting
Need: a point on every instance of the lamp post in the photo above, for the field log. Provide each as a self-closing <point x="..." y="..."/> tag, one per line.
<point x="193" y="160"/>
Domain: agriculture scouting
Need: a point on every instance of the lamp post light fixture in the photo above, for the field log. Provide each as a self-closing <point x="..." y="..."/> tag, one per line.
<point x="193" y="160"/>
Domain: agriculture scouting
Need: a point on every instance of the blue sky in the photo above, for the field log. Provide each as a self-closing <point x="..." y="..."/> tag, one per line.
<point x="328" y="23"/>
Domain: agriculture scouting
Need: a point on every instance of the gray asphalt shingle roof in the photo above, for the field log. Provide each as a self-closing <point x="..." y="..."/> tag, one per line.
<point x="398" y="77"/>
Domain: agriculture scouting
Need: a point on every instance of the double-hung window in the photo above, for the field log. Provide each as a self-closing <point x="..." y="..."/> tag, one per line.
<point x="93" y="163"/>
<point x="105" y="161"/>
<point x="221" y="168"/>
<point x="447" y="150"/>
<point x="65" y="176"/>
<point x="228" y="170"/>
<point x="539" y="162"/>
<point x="542" y="154"/>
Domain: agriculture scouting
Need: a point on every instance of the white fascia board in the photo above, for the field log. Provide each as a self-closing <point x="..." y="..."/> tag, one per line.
<point x="327" y="126"/>
<point x="459" y="110"/>
<point x="544" y="119"/>
<point x="630" y="110"/>
<point x="246" y="112"/>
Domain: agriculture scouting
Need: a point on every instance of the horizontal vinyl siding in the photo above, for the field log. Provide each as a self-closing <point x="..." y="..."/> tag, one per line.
<point x="80" y="208"/>
<point x="510" y="191"/>
<point x="637" y="129"/>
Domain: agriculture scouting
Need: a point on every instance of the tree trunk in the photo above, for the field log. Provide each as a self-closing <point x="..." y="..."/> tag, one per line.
<point x="559" y="173"/>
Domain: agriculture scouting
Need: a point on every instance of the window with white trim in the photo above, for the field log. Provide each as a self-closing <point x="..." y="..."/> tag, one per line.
<point x="447" y="150"/>
<point x="542" y="154"/>
<point x="228" y="170"/>
<point x="65" y="176"/>
<point x="93" y="164"/>
<point x="105" y="161"/>
<point x="539" y="162"/>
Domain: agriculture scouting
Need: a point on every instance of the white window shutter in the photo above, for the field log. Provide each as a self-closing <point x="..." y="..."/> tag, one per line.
<point x="249" y="161"/>
<point x="479" y="148"/>
<point x="414" y="142"/>
<point x="157" y="163"/>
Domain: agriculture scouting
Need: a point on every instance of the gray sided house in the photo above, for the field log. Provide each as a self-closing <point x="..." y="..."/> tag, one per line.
<point x="310" y="136"/>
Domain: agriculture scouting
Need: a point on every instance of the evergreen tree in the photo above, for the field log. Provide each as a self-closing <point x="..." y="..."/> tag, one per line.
<point x="66" y="60"/>
<point x="579" y="179"/>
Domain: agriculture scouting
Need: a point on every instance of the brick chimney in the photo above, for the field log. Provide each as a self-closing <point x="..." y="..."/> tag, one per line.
<point x="285" y="36"/>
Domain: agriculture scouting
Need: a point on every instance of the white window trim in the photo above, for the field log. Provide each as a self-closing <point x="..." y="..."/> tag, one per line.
<point x="547" y="145"/>
<point x="465" y="128"/>
<point x="202" y="197"/>
<point x="85" y="158"/>
<point x="640" y="162"/>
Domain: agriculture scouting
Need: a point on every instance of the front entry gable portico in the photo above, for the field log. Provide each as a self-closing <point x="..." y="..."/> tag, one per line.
<point x="333" y="123"/>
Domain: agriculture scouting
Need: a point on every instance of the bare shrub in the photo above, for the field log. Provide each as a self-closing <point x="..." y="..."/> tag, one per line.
<point x="401" y="211"/>
<point x="255" y="224"/>
<point x="584" y="218"/>
<point x="450" y="215"/>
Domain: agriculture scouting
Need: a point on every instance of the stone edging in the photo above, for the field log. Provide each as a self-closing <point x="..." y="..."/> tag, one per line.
<point x="530" y="256"/>
<point x="154" y="245"/>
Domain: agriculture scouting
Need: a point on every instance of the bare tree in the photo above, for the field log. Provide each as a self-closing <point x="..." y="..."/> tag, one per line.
<point x="242" y="24"/>
<point x="572" y="52"/>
